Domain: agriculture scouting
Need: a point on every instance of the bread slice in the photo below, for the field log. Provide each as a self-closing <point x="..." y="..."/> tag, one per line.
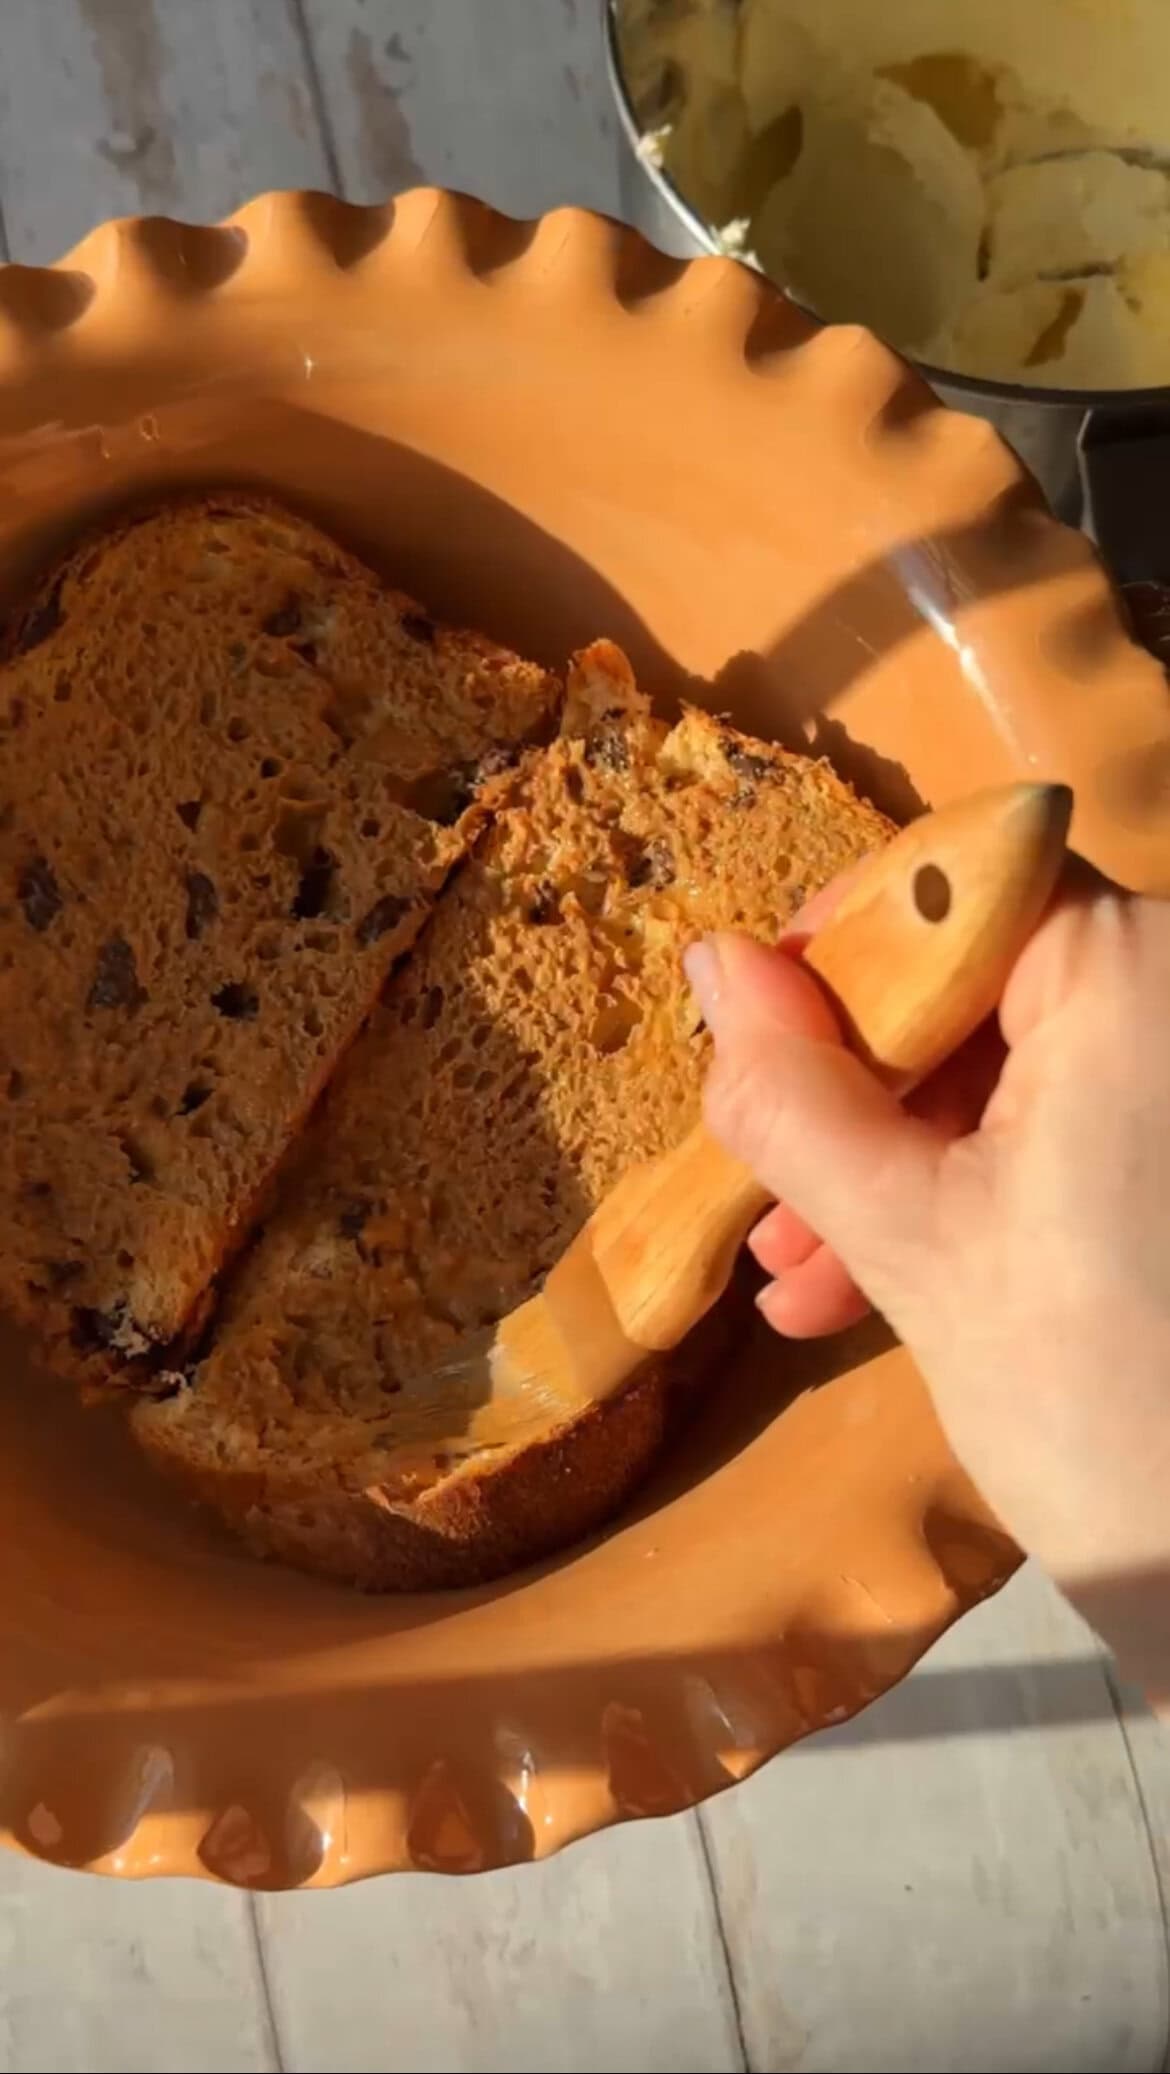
<point x="235" y="770"/>
<point x="540" y="1038"/>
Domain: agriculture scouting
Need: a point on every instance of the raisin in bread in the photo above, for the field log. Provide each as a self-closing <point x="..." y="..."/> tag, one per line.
<point x="235" y="770"/>
<point x="540" y="1038"/>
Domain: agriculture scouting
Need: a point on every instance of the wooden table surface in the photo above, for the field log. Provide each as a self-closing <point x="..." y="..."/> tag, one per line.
<point x="970" y="1876"/>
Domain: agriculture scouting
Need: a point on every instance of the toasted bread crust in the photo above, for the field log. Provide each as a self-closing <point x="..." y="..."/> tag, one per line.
<point x="468" y="1529"/>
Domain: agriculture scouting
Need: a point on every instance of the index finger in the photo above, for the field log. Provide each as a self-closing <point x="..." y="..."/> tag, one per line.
<point x="817" y="911"/>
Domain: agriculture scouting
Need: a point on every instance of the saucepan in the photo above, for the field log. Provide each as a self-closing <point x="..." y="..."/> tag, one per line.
<point x="1100" y="455"/>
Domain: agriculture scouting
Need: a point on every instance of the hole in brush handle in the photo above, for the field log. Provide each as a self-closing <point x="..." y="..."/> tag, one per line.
<point x="932" y="893"/>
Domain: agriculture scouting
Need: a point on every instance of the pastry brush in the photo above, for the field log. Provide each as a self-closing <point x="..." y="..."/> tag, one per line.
<point x="914" y="958"/>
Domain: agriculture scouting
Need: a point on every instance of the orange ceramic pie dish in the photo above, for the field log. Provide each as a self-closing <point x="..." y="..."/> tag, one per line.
<point x="550" y="433"/>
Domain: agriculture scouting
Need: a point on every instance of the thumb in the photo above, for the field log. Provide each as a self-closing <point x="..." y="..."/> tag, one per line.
<point x="812" y="1121"/>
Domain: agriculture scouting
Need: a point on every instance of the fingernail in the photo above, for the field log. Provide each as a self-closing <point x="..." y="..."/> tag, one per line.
<point x="704" y="969"/>
<point x="754" y="1240"/>
<point x="765" y="1302"/>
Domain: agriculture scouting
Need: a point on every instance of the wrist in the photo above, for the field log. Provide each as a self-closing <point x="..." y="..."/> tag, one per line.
<point x="1131" y="1614"/>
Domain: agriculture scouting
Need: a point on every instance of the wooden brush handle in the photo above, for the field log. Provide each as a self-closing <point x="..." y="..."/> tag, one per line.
<point x="915" y="957"/>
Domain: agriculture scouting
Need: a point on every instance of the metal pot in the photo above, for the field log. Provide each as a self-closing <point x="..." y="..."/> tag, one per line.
<point x="1101" y="456"/>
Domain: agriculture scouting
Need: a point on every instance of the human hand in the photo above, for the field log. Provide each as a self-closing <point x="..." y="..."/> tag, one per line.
<point x="1015" y="1231"/>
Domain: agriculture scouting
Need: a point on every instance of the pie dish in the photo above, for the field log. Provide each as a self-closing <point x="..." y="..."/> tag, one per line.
<point x="549" y="432"/>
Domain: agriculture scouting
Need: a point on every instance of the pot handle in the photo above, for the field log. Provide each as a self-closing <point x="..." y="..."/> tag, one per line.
<point x="1124" y="460"/>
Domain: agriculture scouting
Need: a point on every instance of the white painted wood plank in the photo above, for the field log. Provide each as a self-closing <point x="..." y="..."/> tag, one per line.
<point x="961" y="1878"/>
<point x="108" y="107"/>
<point x="1148" y="1742"/>
<point x="99" y="1976"/>
<point x="506" y="99"/>
<point x="174" y="107"/>
<point x="604" y="1958"/>
<point x="609" y="1957"/>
